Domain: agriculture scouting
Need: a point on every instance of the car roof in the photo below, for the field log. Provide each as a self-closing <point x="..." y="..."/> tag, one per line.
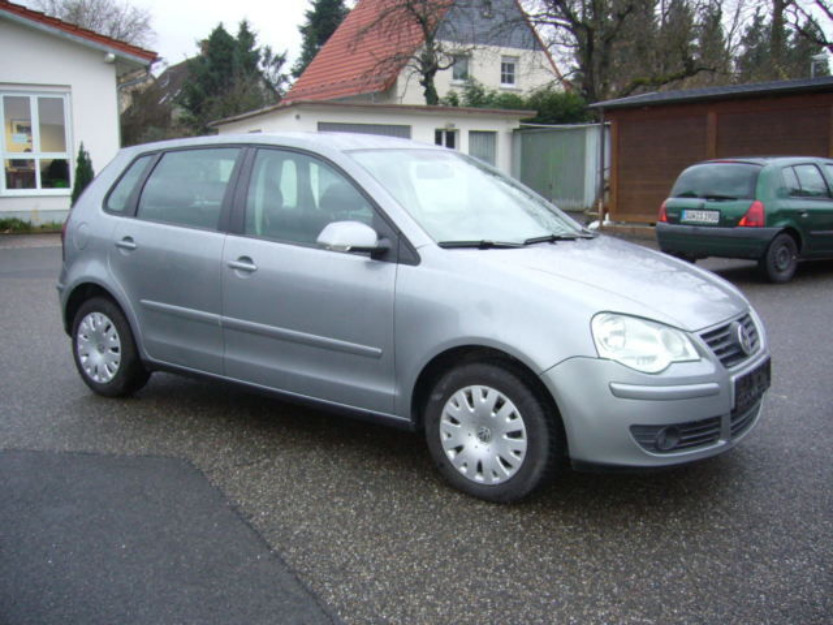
<point x="315" y="141"/>
<point x="769" y="160"/>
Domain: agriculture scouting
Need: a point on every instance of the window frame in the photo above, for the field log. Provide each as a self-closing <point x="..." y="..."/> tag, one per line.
<point x="461" y="59"/>
<point x="505" y="63"/>
<point x="37" y="155"/>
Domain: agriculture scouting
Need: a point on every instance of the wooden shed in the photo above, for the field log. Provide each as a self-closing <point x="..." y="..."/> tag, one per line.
<point x="656" y="135"/>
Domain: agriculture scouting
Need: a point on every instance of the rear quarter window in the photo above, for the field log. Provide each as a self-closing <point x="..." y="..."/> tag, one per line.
<point x="718" y="181"/>
<point x="119" y="199"/>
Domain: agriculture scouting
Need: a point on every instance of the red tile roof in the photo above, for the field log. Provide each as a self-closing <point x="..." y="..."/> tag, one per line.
<point x="46" y="22"/>
<point x="365" y="54"/>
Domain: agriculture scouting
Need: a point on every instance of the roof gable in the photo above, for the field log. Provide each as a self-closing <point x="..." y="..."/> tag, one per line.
<point x="52" y="25"/>
<point x="365" y="54"/>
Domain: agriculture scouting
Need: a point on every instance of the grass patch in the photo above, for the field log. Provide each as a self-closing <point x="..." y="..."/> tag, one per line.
<point x="13" y="225"/>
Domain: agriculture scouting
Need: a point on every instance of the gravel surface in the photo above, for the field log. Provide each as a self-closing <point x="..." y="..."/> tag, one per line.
<point x="359" y="514"/>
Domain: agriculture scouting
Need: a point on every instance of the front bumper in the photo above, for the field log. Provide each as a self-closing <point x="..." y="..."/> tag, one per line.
<point x="703" y="241"/>
<point x="617" y="417"/>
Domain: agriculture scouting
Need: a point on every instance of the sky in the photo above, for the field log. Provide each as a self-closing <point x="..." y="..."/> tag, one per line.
<point x="179" y="24"/>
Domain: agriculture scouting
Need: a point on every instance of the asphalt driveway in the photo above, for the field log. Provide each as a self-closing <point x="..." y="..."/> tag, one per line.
<point x="362" y="522"/>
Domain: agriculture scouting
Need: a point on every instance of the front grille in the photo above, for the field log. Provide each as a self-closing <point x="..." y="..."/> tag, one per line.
<point x="664" y="439"/>
<point x="723" y="341"/>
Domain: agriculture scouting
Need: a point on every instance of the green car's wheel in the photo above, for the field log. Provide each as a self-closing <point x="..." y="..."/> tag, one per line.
<point x="780" y="260"/>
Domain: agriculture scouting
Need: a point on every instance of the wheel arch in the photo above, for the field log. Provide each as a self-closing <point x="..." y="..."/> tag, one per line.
<point x="793" y="232"/>
<point x="82" y="293"/>
<point x="456" y="356"/>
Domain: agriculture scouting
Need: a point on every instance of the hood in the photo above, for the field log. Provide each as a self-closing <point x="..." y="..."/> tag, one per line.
<point x="617" y="276"/>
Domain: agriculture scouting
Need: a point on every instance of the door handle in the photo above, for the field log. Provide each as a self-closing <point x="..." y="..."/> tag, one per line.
<point x="127" y="243"/>
<point x="244" y="263"/>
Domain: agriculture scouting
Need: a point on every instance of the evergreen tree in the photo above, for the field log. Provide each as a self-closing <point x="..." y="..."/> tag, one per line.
<point x="323" y="18"/>
<point x="83" y="173"/>
<point x="230" y="76"/>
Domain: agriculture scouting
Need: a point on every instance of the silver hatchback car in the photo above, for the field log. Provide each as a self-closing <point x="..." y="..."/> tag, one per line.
<point x="415" y="286"/>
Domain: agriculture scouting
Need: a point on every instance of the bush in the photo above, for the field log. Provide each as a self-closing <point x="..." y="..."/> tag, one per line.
<point x="551" y="106"/>
<point x="83" y="173"/>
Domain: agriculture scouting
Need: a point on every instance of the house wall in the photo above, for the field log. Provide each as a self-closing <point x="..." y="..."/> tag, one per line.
<point x="534" y="72"/>
<point x="652" y="145"/>
<point x="423" y="124"/>
<point x="38" y="62"/>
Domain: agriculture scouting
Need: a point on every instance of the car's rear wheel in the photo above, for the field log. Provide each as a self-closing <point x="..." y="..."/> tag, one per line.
<point x="104" y="350"/>
<point x="490" y="434"/>
<point x="780" y="260"/>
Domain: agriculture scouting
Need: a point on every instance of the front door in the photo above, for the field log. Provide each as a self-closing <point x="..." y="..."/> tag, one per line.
<point x="297" y="318"/>
<point x="810" y="202"/>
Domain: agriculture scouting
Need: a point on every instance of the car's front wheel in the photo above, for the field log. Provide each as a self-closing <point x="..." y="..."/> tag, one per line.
<point x="490" y="434"/>
<point x="780" y="260"/>
<point x="104" y="350"/>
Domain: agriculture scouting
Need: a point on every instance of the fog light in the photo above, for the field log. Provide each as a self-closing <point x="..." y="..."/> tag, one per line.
<point x="667" y="438"/>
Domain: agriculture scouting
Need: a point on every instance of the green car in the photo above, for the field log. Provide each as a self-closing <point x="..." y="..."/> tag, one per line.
<point x="775" y="210"/>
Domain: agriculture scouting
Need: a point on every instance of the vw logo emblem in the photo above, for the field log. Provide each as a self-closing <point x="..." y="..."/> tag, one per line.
<point x="742" y="338"/>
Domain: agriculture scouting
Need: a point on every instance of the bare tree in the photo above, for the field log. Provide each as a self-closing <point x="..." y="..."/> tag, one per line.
<point x="809" y="17"/>
<point x="113" y="18"/>
<point x="412" y="27"/>
<point x="621" y="47"/>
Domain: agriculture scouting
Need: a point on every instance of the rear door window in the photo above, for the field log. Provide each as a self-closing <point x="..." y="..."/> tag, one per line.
<point x="718" y="181"/>
<point x="187" y="187"/>
<point x="811" y="182"/>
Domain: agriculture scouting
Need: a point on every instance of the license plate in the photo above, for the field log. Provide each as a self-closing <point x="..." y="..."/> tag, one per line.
<point x="701" y="217"/>
<point x="750" y="388"/>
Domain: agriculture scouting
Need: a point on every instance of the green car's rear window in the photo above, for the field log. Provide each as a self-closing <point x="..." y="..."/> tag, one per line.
<point x="718" y="181"/>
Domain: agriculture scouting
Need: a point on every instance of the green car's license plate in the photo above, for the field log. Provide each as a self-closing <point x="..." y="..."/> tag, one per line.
<point x="701" y="217"/>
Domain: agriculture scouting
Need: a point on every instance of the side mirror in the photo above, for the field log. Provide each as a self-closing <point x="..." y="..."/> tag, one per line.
<point x="351" y="236"/>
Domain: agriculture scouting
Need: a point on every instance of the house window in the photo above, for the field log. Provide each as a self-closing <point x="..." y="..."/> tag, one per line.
<point x="34" y="144"/>
<point x="460" y="68"/>
<point x="509" y="71"/>
<point x="447" y="138"/>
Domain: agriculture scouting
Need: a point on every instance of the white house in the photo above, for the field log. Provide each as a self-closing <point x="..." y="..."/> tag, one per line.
<point x="484" y="133"/>
<point x="363" y="78"/>
<point x="371" y="56"/>
<point x="58" y="88"/>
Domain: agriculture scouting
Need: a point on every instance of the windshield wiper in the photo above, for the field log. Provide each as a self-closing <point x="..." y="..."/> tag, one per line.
<point x="719" y="198"/>
<point x="483" y="244"/>
<point x="554" y="238"/>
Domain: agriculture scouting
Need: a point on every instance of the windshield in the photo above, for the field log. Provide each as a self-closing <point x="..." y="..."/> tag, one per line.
<point x="718" y="181"/>
<point x="458" y="201"/>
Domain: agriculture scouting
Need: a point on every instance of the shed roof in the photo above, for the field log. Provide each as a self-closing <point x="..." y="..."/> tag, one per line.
<point x="778" y="87"/>
<point x="45" y="23"/>
<point x="370" y="108"/>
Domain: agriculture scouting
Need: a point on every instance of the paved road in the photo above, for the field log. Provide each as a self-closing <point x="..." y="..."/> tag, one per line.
<point x="361" y="518"/>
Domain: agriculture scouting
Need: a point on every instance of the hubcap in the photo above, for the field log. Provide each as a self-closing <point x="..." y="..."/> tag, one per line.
<point x="99" y="347"/>
<point x="783" y="259"/>
<point x="483" y="435"/>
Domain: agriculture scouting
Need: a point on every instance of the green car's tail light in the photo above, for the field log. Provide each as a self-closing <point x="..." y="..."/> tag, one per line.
<point x="755" y="217"/>
<point x="663" y="213"/>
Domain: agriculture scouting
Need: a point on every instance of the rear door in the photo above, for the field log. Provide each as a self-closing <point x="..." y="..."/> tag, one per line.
<point x="167" y="258"/>
<point x="297" y="318"/>
<point x="810" y="202"/>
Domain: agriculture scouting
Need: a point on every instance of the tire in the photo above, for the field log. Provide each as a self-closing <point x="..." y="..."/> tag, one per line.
<point x="104" y="350"/>
<point x="780" y="261"/>
<point x="490" y="434"/>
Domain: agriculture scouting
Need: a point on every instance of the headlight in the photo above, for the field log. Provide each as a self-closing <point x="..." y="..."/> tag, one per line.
<point x="639" y="344"/>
